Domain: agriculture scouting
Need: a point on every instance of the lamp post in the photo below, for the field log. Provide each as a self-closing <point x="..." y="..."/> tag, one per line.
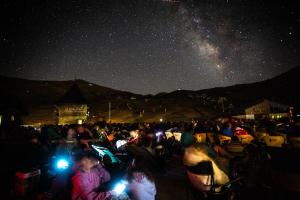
<point x="291" y="113"/>
<point x="109" y="112"/>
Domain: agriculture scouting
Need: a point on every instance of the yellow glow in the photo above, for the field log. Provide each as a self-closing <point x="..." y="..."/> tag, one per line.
<point x="71" y="114"/>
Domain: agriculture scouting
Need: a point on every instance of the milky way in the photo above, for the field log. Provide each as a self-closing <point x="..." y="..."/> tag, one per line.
<point x="148" y="46"/>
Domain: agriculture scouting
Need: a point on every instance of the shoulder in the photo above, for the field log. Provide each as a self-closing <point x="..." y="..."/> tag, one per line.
<point x="78" y="177"/>
<point x="100" y="168"/>
<point x="102" y="171"/>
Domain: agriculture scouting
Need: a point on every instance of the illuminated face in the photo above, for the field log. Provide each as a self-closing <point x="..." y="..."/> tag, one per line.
<point x="86" y="164"/>
<point x="71" y="133"/>
<point x="134" y="133"/>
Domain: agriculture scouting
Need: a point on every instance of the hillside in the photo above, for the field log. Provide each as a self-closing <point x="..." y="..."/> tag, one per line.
<point x="48" y="92"/>
<point x="39" y="97"/>
<point x="283" y="88"/>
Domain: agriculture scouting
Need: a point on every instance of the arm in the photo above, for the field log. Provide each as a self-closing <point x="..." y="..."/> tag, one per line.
<point x="79" y="189"/>
<point x="103" y="173"/>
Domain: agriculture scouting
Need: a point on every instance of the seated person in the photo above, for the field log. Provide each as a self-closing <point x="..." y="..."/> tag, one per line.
<point x="141" y="181"/>
<point x="88" y="178"/>
<point x="68" y="146"/>
<point x="84" y="133"/>
<point x="187" y="137"/>
<point x="227" y="130"/>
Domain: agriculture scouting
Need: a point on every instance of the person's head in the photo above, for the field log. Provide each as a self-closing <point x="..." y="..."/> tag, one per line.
<point x="134" y="133"/>
<point x="188" y="127"/>
<point x="228" y="125"/>
<point x="80" y="129"/>
<point x="149" y="138"/>
<point x="34" y="140"/>
<point x="87" y="161"/>
<point x="71" y="133"/>
<point x="141" y="165"/>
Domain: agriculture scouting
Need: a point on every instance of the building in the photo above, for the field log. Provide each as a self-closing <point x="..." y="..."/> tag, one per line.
<point x="269" y="109"/>
<point x="11" y="111"/>
<point x="72" y="108"/>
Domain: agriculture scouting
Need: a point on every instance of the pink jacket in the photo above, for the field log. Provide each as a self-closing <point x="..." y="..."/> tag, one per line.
<point x="85" y="182"/>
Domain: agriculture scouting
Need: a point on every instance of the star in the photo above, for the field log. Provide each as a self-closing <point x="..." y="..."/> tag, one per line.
<point x="143" y="46"/>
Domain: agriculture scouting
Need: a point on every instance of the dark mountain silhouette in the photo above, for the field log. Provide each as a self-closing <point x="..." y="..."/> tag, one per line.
<point x="283" y="88"/>
<point x="176" y="105"/>
<point x="73" y="95"/>
<point x="49" y="92"/>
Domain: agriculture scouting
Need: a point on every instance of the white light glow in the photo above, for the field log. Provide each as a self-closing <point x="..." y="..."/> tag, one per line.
<point x="62" y="164"/>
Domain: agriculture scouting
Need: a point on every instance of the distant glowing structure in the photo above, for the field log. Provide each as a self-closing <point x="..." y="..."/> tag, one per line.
<point x="268" y="109"/>
<point x="72" y="107"/>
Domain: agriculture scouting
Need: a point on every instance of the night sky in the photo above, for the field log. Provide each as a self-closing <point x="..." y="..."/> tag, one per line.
<point x="149" y="46"/>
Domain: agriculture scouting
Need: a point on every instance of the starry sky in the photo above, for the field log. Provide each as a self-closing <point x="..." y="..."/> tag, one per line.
<point x="149" y="46"/>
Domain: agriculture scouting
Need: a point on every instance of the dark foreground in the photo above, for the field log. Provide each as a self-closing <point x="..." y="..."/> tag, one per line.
<point x="173" y="185"/>
<point x="285" y="174"/>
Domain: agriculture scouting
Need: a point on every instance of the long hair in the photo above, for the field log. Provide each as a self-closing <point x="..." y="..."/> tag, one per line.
<point x="140" y="165"/>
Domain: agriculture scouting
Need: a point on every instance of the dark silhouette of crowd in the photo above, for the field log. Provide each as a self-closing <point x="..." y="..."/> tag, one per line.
<point x="148" y="143"/>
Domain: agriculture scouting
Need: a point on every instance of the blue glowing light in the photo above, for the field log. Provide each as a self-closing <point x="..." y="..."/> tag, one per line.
<point x="120" y="187"/>
<point x="159" y="134"/>
<point x="62" y="164"/>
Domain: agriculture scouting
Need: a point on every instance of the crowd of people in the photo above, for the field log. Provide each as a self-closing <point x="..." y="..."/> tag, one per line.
<point x="148" y="146"/>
